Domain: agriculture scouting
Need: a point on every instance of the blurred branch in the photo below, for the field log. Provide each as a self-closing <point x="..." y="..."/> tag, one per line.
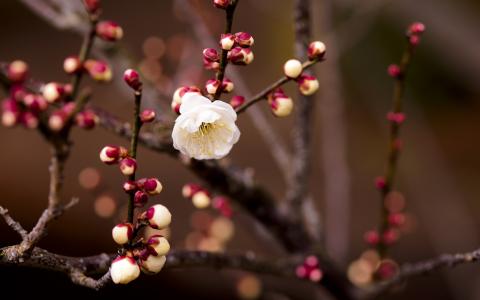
<point x="12" y="223"/>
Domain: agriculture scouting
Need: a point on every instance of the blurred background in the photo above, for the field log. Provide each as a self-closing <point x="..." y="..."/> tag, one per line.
<point x="439" y="169"/>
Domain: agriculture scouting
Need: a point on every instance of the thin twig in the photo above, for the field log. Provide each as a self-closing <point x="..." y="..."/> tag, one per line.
<point x="12" y="223"/>
<point x="137" y="125"/>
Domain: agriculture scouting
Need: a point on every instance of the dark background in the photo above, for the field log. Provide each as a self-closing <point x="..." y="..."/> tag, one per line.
<point x="439" y="171"/>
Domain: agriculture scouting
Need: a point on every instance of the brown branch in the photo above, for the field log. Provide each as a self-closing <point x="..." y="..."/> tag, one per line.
<point x="12" y="223"/>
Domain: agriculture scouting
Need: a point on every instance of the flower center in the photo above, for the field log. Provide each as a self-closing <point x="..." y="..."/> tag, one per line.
<point x="205" y="128"/>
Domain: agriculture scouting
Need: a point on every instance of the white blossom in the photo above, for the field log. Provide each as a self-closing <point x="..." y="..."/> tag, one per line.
<point x="205" y="129"/>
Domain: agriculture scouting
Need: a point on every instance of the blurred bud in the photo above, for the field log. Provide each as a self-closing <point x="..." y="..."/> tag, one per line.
<point x="223" y="4"/>
<point x="237" y="101"/>
<point x="110" y="154"/>
<point x="124" y="269"/>
<point x="316" y="50"/>
<point x="223" y="206"/>
<point x="397" y="118"/>
<point x="227" y="41"/>
<point x="158" y="216"/>
<point x="201" y="199"/>
<point x="243" y="39"/>
<point x="147" y="116"/>
<point x="386" y="269"/>
<point x="396" y="219"/>
<point x="281" y="106"/>
<point x="190" y="189"/>
<point x="158" y="244"/>
<point x="57" y="120"/>
<point x="17" y="71"/>
<point x="292" y="68"/>
<point x="212" y="86"/>
<point x="29" y="119"/>
<point x="240" y="56"/>
<point x="122" y="233"/>
<point x="35" y="103"/>
<point x="72" y="65"/>
<point x="128" y="166"/>
<point x="307" y="84"/>
<point x="109" y="31"/>
<point x="140" y="198"/>
<point x="53" y="92"/>
<point x="153" y="264"/>
<point x="152" y="186"/>
<point x="380" y="183"/>
<point x="92" y="6"/>
<point x="394" y="71"/>
<point x="211" y="65"/>
<point x="227" y="85"/>
<point x="10" y="113"/>
<point x="86" y="119"/>
<point x="130" y="186"/>
<point x="414" y="40"/>
<point x="132" y="78"/>
<point x="390" y="236"/>
<point x="371" y="237"/>
<point x="416" y="28"/>
<point x="98" y="70"/>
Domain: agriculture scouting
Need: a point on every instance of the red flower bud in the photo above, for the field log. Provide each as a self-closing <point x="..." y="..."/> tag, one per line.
<point x="109" y="31"/>
<point x="244" y="39"/>
<point x="86" y="119"/>
<point x="29" y="119"/>
<point x="98" y="70"/>
<point x="35" y="103"/>
<point x="147" y="116"/>
<point x="129" y="186"/>
<point x="240" y="56"/>
<point x="223" y="4"/>
<point x="394" y="117"/>
<point x="152" y="186"/>
<point x="128" y="166"/>
<point x="416" y="28"/>
<point x="372" y="237"/>
<point x="237" y="101"/>
<point x="140" y="198"/>
<point x="394" y="71"/>
<point x="110" y="154"/>
<point x="132" y="78"/>
<point x="211" y="54"/>
<point x="92" y="6"/>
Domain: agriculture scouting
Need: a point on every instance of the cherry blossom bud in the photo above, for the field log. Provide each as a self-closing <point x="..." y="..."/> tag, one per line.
<point x="92" y="6"/>
<point x="223" y="206"/>
<point x="158" y="216"/>
<point x="153" y="264"/>
<point x="292" y="68"/>
<point x="227" y="41"/>
<point x="240" y="56"/>
<point x="98" y="70"/>
<point x="72" y="65"/>
<point x="57" y="120"/>
<point x="414" y="40"/>
<point x="397" y="118"/>
<point x="396" y="219"/>
<point x="227" y="85"/>
<point x="158" y="244"/>
<point x="124" y="269"/>
<point x="307" y="85"/>
<point x="109" y="31"/>
<point x="152" y="186"/>
<point x="10" y="113"/>
<point x="122" y="233"/>
<point x="17" y="71"/>
<point x="130" y="186"/>
<point x="147" y="116"/>
<point x="35" y="103"/>
<point x="201" y="199"/>
<point x="244" y="39"/>
<point x="416" y="28"/>
<point x="281" y="106"/>
<point x="237" y="101"/>
<point x="189" y="189"/>
<point x="132" y="78"/>
<point x="17" y="92"/>
<point x="212" y="86"/>
<point x="178" y="95"/>
<point x="390" y="236"/>
<point x="371" y="237"/>
<point x="86" y="119"/>
<point x="211" y="54"/>
<point x="29" y="120"/>
<point x="223" y="4"/>
<point x="128" y="166"/>
<point x="316" y="50"/>
<point x="53" y="92"/>
<point x="110" y="154"/>
<point x="211" y="65"/>
<point x="140" y="198"/>
<point x="394" y="71"/>
<point x="380" y="183"/>
<point x="386" y="269"/>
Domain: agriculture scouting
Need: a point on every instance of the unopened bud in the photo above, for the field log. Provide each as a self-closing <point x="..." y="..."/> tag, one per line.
<point x="29" y="119"/>
<point x="57" y="120"/>
<point x="227" y="41"/>
<point x="10" y="113"/>
<point x="240" y="56"/>
<point x="178" y="95"/>
<point x="237" y="101"/>
<point x="122" y="233"/>
<point x="98" y="70"/>
<point x="109" y="31"/>
<point x="147" y="116"/>
<point x="158" y="244"/>
<point x="316" y="50"/>
<point x="244" y="39"/>
<point x="189" y="189"/>
<point x="128" y="166"/>
<point x="281" y="106"/>
<point x="110" y="154"/>
<point x="35" y="103"/>
<point x="227" y="85"/>
<point x="92" y="6"/>
<point x="130" y="186"/>
<point x="212" y="86"/>
<point x="292" y="68"/>
<point x="53" y="92"/>
<point x="124" y="269"/>
<point x="153" y="264"/>
<point x="223" y="4"/>
<point x="72" y="65"/>
<point x="152" y="186"/>
<point x="201" y="199"/>
<point x="372" y="237"/>
<point x="140" y="198"/>
<point x="158" y="216"/>
<point x="17" y="71"/>
<point x="416" y="28"/>
<point x="211" y="54"/>
<point x="87" y="119"/>
<point x="307" y="85"/>
<point x="132" y="78"/>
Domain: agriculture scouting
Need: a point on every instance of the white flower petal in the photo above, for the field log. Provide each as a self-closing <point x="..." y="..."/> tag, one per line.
<point x="192" y="100"/>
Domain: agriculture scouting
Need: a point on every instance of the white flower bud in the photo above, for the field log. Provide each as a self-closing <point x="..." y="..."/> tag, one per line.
<point x="308" y="85"/>
<point x="110" y="154"/>
<point x="159" y="244"/>
<point x="52" y="92"/>
<point x="124" y="269"/>
<point x="158" y="216"/>
<point x="227" y="41"/>
<point x="122" y="233"/>
<point x="212" y="86"/>
<point x="316" y="50"/>
<point x="292" y="68"/>
<point x="201" y="199"/>
<point x="281" y="106"/>
<point x="153" y="264"/>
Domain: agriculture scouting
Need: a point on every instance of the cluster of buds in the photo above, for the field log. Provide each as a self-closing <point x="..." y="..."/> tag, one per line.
<point x="414" y="33"/>
<point x="280" y="104"/>
<point x="178" y="95"/>
<point x="52" y="102"/>
<point x="138" y="254"/>
<point x="201" y="198"/>
<point x="238" y="47"/>
<point x="309" y="269"/>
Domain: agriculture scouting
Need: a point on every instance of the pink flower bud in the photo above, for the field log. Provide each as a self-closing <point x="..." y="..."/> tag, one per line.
<point x="132" y="78"/>
<point x="211" y="65"/>
<point x="240" y="56"/>
<point x="98" y="70"/>
<point x="212" y="86"/>
<point x="315" y="275"/>
<point x="130" y="186"/>
<point x="371" y="237"/>
<point x="394" y="71"/>
<point x="227" y="85"/>
<point x="140" y="199"/>
<point x="223" y="206"/>
<point x="152" y="186"/>
<point x="281" y="106"/>
<point x="311" y="261"/>
<point x="201" y="199"/>
<point x="292" y="68"/>
<point x="110" y="154"/>
<point x="158" y="216"/>
<point x="153" y="264"/>
<point x="223" y="4"/>
<point x="92" y="6"/>
<point x="53" y="92"/>
<point x="390" y="236"/>
<point x="178" y="95"/>
<point x="380" y="183"/>
<point x="237" y="101"/>
<point x="416" y="28"/>
<point x="29" y="119"/>
<point x="189" y="189"/>
<point x="10" y="113"/>
<point x="17" y="92"/>
<point x="316" y="50"/>
<point x="387" y="269"/>
<point x="147" y="116"/>
<point x="124" y="269"/>
<point x="57" y="120"/>
<point x="122" y="233"/>
<point x="158" y="244"/>
<point x="87" y="119"/>
<point x="414" y="40"/>
<point x="396" y="219"/>
<point x="128" y="166"/>
<point x="35" y="103"/>
<point x="227" y="41"/>
<point x="17" y="71"/>
<point x="307" y="84"/>
<point x="211" y="54"/>
<point x="109" y="31"/>
<point x="394" y="117"/>
<point x="72" y="65"/>
<point x="244" y="39"/>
